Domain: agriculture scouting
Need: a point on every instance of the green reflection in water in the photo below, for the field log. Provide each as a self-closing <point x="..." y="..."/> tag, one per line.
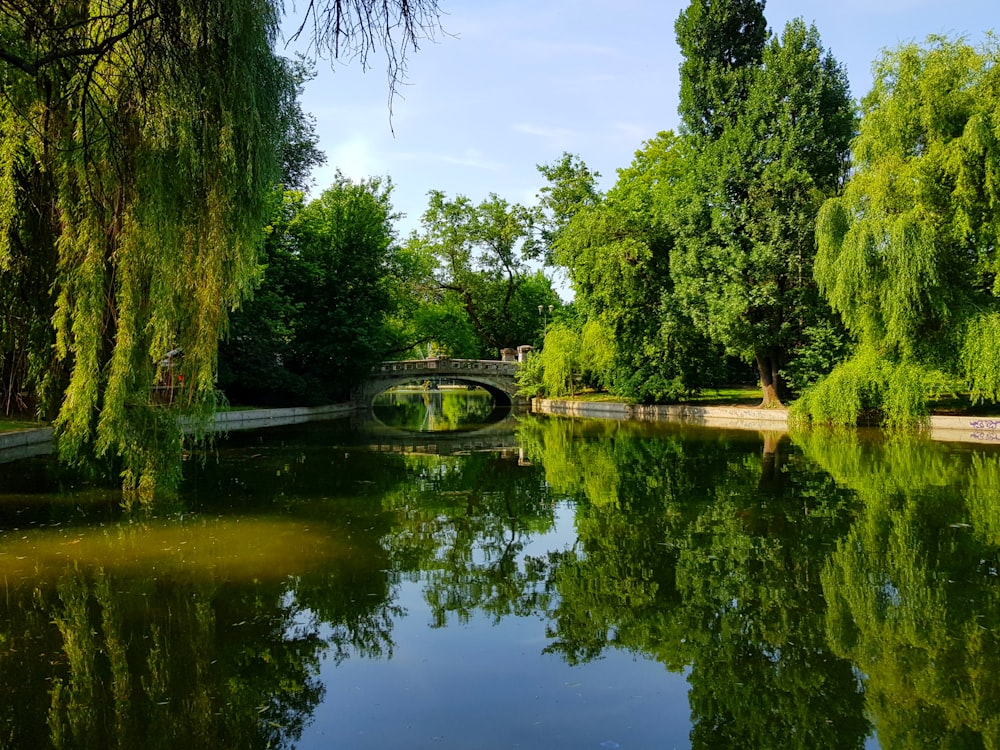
<point x="913" y="589"/>
<point x="702" y="550"/>
<point x="812" y="590"/>
<point x="434" y="410"/>
<point x="204" y="628"/>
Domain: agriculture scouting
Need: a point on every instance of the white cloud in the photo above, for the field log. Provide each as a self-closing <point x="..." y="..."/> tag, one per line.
<point x="633" y="132"/>
<point x="355" y="158"/>
<point x="542" y="131"/>
<point x="473" y="158"/>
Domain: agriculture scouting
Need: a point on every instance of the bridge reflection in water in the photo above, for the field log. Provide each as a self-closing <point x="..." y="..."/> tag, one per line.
<point x="441" y="422"/>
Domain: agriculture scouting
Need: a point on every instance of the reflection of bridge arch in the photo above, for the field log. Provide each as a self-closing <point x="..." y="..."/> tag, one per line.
<point x="491" y="437"/>
<point x="495" y="377"/>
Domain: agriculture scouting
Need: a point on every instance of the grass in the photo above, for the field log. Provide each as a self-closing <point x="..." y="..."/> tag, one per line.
<point x="593" y="396"/>
<point x="736" y="395"/>
<point x="13" y="424"/>
<point x="946" y="404"/>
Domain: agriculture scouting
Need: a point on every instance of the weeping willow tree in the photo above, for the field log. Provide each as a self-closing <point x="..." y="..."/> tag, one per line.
<point x="908" y="254"/>
<point x="140" y="145"/>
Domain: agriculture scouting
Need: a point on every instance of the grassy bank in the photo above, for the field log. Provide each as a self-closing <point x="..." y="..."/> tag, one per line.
<point x="13" y="424"/>
<point x="948" y="404"/>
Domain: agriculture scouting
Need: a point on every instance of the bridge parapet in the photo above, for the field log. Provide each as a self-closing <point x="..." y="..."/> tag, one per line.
<point x="496" y="376"/>
<point x="448" y="365"/>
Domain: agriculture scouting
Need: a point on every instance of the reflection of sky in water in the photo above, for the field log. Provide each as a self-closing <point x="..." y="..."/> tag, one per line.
<point x="480" y="685"/>
<point x="314" y="519"/>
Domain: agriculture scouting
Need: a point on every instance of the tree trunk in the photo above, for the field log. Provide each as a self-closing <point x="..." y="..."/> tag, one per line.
<point x="771" y="384"/>
<point x="771" y="475"/>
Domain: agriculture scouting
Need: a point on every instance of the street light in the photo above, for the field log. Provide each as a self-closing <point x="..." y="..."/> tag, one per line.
<point x="545" y="319"/>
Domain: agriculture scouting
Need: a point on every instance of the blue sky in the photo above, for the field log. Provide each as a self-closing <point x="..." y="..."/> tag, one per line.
<point x="515" y="83"/>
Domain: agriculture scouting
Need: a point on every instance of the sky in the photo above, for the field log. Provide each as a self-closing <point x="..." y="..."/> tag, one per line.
<point x="510" y="84"/>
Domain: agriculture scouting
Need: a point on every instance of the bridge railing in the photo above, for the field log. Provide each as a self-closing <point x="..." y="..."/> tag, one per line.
<point x="447" y="365"/>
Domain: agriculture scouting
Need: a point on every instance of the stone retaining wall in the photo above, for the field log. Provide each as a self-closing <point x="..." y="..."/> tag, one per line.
<point x="35" y="442"/>
<point x="947" y="429"/>
<point x="25" y="443"/>
<point x="252" y="419"/>
<point x="732" y="417"/>
<point x="965" y="429"/>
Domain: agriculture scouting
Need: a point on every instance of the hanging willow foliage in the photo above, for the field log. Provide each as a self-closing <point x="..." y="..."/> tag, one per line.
<point x="908" y="254"/>
<point x="146" y="135"/>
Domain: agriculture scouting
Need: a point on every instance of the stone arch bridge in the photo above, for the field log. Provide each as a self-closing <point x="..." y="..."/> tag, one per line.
<point x="494" y="376"/>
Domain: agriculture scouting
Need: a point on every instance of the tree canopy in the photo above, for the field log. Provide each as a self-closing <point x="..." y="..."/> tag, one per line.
<point x="481" y="253"/>
<point x="317" y="323"/>
<point x="704" y="247"/>
<point x="617" y="248"/>
<point x="722" y="42"/>
<point x="140" y="147"/>
<point x="744" y="210"/>
<point x="908" y="254"/>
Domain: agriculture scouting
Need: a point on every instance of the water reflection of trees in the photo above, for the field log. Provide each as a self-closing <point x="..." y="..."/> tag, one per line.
<point x="434" y="410"/>
<point x="704" y="552"/>
<point x="810" y="589"/>
<point x="463" y="525"/>
<point x="100" y="661"/>
<point x="134" y="645"/>
<point x="913" y="590"/>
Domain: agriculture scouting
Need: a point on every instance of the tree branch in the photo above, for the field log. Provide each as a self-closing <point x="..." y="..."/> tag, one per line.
<point x="33" y="68"/>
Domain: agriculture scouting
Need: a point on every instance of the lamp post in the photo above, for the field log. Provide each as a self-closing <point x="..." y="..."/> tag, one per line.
<point x="545" y="319"/>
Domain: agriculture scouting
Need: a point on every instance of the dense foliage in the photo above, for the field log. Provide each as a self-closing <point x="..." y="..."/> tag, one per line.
<point x="744" y="211"/>
<point x="144" y="148"/>
<point x="703" y="249"/>
<point x="140" y="146"/>
<point x="862" y="288"/>
<point x="617" y="248"/>
<point x="316" y="325"/>
<point x="480" y="255"/>
<point x="908" y="254"/>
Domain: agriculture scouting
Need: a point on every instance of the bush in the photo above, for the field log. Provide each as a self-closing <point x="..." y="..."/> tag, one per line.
<point x="871" y="387"/>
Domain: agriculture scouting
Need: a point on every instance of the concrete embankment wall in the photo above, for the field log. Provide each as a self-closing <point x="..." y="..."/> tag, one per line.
<point x="37" y="442"/>
<point x="25" y="443"/>
<point x="943" y="428"/>
<point x="732" y="417"/>
<point x="253" y="419"/>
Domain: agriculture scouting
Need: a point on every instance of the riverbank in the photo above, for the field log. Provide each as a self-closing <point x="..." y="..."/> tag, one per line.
<point x="37" y="441"/>
<point x="952" y="428"/>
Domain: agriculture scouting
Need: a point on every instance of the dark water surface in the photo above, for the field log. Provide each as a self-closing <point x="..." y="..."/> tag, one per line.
<point x="532" y="583"/>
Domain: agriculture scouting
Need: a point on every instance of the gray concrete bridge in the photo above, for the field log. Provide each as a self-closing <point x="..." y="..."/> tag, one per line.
<point x="494" y="376"/>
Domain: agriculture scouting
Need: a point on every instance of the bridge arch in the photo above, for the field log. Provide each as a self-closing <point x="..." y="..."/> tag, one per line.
<point x="495" y="377"/>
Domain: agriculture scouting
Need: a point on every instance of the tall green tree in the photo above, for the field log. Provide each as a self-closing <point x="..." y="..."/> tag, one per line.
<point x="617" y="249"/>
<point x="317" y="323"/>
<point x="908" y="254"/>
<point x="345" y="242"/>
<point x="141" y="142"/>
<point x="258" y="343"/>
<point x="482" y="252"/>
<point x="744" y="213"/>
<point x="571" y="187"/>
<point x="423" y="320"/>
<point x="722" y="42"/>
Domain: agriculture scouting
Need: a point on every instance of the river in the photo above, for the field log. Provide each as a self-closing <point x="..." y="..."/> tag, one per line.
<point x="442" y="577"/>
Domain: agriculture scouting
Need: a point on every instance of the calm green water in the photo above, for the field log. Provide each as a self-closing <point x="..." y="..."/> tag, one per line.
<point x="534" y="583"/>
